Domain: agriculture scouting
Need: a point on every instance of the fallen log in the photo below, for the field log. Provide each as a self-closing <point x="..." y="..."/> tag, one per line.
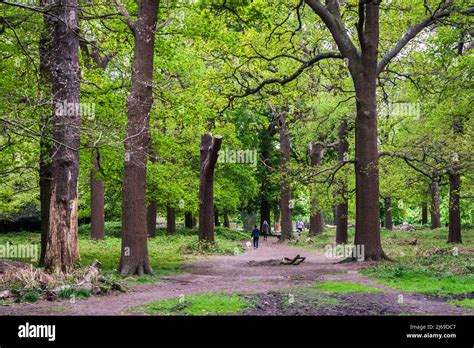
<point x="90" y="275"/>
<point x="295" y="261"/>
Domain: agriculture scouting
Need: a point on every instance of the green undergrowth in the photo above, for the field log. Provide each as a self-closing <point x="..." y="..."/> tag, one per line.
<point x="424" y="262"/>
<point x="166" y="254"/>
<point x="203" y="304"/>
<point x="320" y="294"/>
<point x="333" y="287"/>
<point x="466" y="303"/>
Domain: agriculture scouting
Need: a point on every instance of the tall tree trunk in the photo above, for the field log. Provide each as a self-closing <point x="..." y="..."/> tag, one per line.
<point x="388" y="213"/>
<point x="45" y="194"/>
<point x="266" y="145"/>
<point x="316" y="222"/>
<point x="276" y="214"/>
<point x="265" y="212"/>
<point x="226" y="219"/>
<point x="424" y="213"/>
<point x="188" y="220"/>
<point x="454" y="235"/>
<point x="171" y="220"/>
<point x="341" y="227"/>
<point x="367" y="231"/>
<point x="134" y="254"/>
<point x="62" y="249"/>
<point x="285" y="189"/>
<point x="342" y="208"/>
<point x="209" y="153"/>
<point x="152" y="211"/>
<point x="97" y="200"/>
<point x="151" y="215"/>
<point x="435" y="214"/>
<point x="216" y="217"/>
<point x="45" y="50"/>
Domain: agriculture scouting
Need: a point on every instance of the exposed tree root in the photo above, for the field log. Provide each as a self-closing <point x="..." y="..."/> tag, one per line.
<point x="135" y="268"/>
<point x="383" y="257"/>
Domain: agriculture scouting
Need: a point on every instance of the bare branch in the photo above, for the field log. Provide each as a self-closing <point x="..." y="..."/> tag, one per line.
<point x="284" y="81"/>
<point x="412" y="32"/>
<point x="128" y="18"/>
<point x="331" y="16"/>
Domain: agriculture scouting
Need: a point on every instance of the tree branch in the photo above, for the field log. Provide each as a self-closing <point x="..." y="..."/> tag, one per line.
<point x="331" y="16"/>
<point x="412" y="32"/>
<point x="290" y="78"/>
<point x="128" y="18"/>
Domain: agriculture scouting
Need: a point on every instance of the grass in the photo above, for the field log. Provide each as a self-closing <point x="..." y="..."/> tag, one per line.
<point x="423" y="261"/>
<point x="204" y="304"/>
<point x="70" y="293"/>
<point x="166" y="253"/>
<point x="466" y="303"/>
<point x="317" y="294"/>
<point x="343" y="288"/>
<point x="429" y="266"/>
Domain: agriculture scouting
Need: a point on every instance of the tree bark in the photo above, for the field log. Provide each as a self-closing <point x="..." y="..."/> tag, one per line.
<point x="388" y="213"/>
<point x="316" y="222"/>
<point x="435" y="214"/>
<point x="341" y="227"/>
<point x="151" y="214"/>
<point x="424" y="213"/>
<point x="285" y="188"/>
<point x="265" y="212"/>
<point x="97" y="200"/>
<point x="209" y="153"/>
<point x="276" y="214"/>
<point x="45" y="50"/>
<point x="342" y="209"/>
<point x="188" y="220"/>
<point x="62" y="249"/>
<point x="364" y="74"/>
<point x="226" y="219"/>
<point x="216" y="217"/>
<point x="171" y="220"/>
<point x="45" y="195"/>
<point x="152" y="211"/>
<point x="454" y="235"/>
<point x="134" y="254"/>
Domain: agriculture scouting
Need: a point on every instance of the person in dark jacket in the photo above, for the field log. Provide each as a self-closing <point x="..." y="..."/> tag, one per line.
<point x="255" y="236"/>
<point x="265" y="229"/>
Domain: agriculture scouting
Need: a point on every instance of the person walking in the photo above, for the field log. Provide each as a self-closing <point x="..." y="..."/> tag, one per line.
<point x="265" y="229"/>
<point x="300" y="227"/>
<point x="255" y="236"/>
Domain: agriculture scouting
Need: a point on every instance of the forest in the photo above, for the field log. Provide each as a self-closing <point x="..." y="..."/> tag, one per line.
<point x="256" y="157"/>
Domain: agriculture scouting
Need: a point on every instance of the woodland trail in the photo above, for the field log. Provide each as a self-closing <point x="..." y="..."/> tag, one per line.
<point x="234" y="274"/>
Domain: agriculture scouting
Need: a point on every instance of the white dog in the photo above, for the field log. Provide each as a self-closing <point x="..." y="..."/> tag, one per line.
<point x="248" y="244"/>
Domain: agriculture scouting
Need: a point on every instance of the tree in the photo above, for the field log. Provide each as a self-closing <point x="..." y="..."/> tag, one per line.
<point x="45" y="51"/>
<point x="209" y="153"/>
<point x="285" y="179"/>
<point x="62" y="249"/>
<point x="364" y="68"/>
<point x="342" y="203"/>
<point x="134" y="255"/>
<point x="97" y="200"/>
<point x="316" y="222"/>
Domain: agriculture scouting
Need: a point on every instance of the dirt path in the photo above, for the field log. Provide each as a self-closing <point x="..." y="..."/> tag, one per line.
<point x="234" y="274"/>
